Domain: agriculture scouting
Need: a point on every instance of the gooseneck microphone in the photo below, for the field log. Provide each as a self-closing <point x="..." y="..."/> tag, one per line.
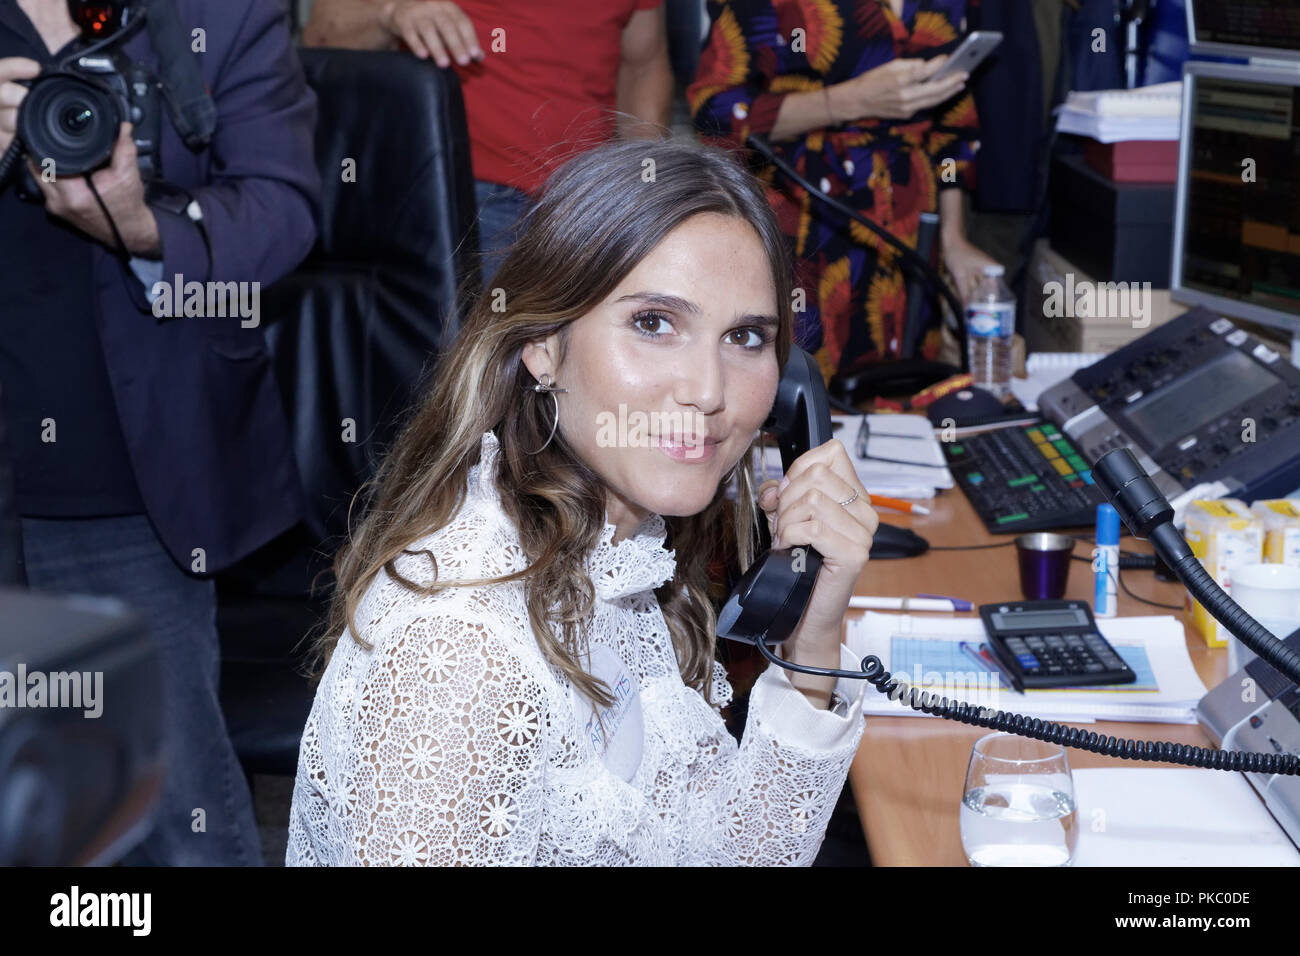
<point x="1148" y="514"/>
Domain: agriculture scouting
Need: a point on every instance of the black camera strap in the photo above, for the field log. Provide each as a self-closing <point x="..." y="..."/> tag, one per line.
<point x="192" y="111"/>
<point x="122" y="254"/>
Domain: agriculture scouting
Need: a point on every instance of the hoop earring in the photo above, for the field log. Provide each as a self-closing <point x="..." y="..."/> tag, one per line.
<point x="547" y="384"/>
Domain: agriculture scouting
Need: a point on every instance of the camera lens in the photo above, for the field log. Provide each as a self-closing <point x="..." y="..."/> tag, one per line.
<point x="77" y="117"/>
<point x="70" y="120"/>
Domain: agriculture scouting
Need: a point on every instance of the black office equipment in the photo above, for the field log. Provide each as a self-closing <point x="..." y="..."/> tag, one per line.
<point x="893" y="542"/>
<point x="1052" y="644"/>
<point x="1197" y="400"/>
<point x="1024" y="478"/>
<point x="1117" y="232"/>
<point x="966" y="406"/>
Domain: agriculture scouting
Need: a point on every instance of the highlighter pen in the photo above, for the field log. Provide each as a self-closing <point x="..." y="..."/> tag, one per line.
<point x="1105" y="562"/>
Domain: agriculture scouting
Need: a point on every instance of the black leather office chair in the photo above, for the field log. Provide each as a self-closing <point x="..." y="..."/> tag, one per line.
<point x="353" y="333"/>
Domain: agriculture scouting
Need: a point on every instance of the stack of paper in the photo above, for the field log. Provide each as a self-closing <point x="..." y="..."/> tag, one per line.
<point x="904" y="438"/>
<point x="927" y="653"/>
<point x="1113" y="116"/>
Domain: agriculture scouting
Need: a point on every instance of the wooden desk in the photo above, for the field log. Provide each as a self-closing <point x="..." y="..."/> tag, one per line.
<point x="908" y="775"/>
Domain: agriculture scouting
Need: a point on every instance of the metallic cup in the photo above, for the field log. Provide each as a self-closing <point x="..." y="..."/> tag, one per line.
<point x="1044" y="564"/>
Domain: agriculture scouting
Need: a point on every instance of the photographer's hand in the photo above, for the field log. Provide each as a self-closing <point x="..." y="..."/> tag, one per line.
<point x="11" y="94"/>
<point x="120" y="187"/>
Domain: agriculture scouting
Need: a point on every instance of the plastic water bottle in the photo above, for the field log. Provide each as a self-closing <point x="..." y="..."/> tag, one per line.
<point x="990" y="325"/>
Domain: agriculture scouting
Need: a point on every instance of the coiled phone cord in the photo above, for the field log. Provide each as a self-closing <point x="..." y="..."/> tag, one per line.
<point x="1203" y="586"/>
<point x="926" y="702"/>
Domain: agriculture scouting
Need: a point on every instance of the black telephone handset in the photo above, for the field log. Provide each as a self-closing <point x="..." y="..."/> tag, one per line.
<point x="771" y="596"/>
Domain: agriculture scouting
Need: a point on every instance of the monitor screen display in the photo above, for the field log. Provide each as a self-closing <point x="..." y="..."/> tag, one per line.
<point x="1259" y="27"/>
<point x="1240" y="206"/>
<point x="1198" y="398"/>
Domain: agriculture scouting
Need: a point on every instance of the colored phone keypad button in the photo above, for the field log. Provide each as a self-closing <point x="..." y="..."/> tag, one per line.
<point x="1036" y="487"/>
<point x="1015" y="517"/>
<point x="1063" y="447"/>
<point x="974" y="477"/>
<point x="1062" y="468"/>
<point x="1022" y="480"/>
<point x="1035" y="434"/>
<point x="1077" y="463"/>
<point x="1086" y="475"/>
<point x="1049" y="452"/>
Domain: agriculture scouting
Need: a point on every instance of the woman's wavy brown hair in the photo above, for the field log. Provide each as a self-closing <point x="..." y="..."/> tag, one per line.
<point x="597" y="217"/>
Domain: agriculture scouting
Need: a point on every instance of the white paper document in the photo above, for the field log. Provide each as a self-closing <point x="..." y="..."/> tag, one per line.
<point x="1176" y="816"/>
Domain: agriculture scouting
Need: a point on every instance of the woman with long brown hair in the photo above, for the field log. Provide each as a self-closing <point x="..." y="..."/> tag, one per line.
<point x="519" y="664"/>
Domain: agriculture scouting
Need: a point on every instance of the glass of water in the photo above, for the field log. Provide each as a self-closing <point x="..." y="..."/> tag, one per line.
<point x="1018" y="807"/>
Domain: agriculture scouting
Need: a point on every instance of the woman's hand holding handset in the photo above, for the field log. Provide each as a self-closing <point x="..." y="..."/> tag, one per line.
<point x="893" y="90"/>
<point x="803" y="510"/>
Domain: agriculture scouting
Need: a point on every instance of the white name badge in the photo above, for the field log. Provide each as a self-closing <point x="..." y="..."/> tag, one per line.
<point x="618" y="743"/>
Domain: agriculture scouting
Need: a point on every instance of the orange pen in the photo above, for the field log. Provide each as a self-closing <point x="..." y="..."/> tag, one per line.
<point x="898" y="504"/>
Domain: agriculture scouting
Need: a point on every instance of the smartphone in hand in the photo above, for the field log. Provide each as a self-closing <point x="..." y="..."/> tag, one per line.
<point x="970" y="54"/>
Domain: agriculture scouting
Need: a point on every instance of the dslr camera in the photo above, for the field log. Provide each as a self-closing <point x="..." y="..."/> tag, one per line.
<point x="70" y="117"/>
<point x="73" y="109"/>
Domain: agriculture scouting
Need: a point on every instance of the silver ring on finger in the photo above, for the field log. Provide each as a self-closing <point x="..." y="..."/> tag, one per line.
<point x="849" y="501"/>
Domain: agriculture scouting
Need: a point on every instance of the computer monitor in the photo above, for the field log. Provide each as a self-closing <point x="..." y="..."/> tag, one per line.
<point x="1267" y="29"/>
<point x="1236" y="245"/>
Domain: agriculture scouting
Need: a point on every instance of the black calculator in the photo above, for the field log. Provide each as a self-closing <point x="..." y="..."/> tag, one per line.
<point x="1052" y="644"/>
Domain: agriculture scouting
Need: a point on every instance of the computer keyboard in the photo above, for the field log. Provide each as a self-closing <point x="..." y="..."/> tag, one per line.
<point x="1025" y="478"/>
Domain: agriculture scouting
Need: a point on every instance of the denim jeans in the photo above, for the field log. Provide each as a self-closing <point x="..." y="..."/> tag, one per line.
<point x="500" y="209"/>
<point x="122" y="557"/>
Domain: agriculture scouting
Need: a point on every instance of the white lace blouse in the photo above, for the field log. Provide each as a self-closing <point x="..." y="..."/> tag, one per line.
<point x="454" y="741"/>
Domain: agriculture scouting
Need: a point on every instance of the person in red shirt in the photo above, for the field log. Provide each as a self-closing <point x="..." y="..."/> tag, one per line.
<point x="541" y="81"/>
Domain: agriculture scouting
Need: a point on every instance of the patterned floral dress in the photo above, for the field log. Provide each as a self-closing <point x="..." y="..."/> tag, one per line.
<point x="889" y="170"/>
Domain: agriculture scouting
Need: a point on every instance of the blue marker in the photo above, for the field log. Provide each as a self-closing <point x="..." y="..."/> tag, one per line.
<point x="1105" y="562"/>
